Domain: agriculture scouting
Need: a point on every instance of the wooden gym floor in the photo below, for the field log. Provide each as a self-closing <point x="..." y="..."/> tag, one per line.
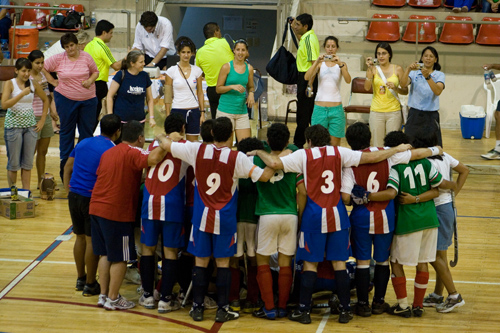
<point x="37" y="274"/>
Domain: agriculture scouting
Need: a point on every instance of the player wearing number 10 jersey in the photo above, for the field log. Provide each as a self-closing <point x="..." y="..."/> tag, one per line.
<point x="325" y="224"/>
<point x="217" y="169"/>
<point x="372" y="223"/>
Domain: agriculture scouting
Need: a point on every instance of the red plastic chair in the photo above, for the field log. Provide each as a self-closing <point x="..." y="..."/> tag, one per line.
<point x="457" y="33"/>
<point x="384" y="31"/>
<point x="389" y="3"/>
<point x="411" y="32"/>
<point x="76" y="8"/>
<point x="489" y="34"/>
<point x="30" y="14"/>
<point x="425" y="3"/>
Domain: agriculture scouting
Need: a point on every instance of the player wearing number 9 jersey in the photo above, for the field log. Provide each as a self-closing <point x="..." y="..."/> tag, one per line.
<point x="325" y="224"/>
<point x="217" y="169"/>
<point x="164" y="195"/>
<point x="372" y="223"/>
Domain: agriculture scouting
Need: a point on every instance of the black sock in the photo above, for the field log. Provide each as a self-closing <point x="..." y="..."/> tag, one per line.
<point x="223" y="282"/>
<point x="362" y="279"/>
<point x="185" y="271"/>
<point x="343" y="288"/>
<point x="168" y="278"/>
<point x="308" y="280"/>
<point x="380" y="281"/>
<point x="200" y="284"/>
<point x="148" y="274"/>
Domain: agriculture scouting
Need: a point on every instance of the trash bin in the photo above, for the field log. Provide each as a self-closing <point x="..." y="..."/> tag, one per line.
<point x="472" y="120"/>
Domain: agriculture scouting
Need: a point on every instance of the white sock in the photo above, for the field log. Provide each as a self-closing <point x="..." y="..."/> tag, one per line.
<point x="403" y="302"/>
<point x="497" y="146"/>
<point x="453" y="296"/>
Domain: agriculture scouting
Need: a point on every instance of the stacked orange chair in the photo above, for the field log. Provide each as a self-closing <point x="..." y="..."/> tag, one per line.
<point x="429" y="30"/>
<point x="389" y="3"/>
<point x="31" y="14"/>
<point x="384" y="31"/>
<point x="489" y="34"/>
<point x="457" y="33"/>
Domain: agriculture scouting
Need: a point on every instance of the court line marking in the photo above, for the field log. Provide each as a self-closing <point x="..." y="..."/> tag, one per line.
<point x="215" y="327"/>
<point x="322" y="325"/>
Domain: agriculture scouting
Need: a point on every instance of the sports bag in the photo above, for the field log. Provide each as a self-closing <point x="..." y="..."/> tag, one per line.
<point x="283" y="67"/>
<point x="72" y="20"/>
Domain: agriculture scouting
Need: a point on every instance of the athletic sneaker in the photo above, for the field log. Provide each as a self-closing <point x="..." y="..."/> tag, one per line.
<point x="433" y="300"/>
<point x="345" y="316"/>
<point x="209" y="303"/>
<point x="465" y="9"/>
<point x="120" y="303"/>
<point x="264" y="313"/>
<point x="91" y="289"/>
<point x="379" y="308"/>
<point x="456" y="9"/>
<point x="249" y="307"/>
<point x="147" y="302"/>
<point x="235" y="306"/>
<point x="196" y="313"/>
<point x="334" y="303"/>
<point x="303" y="317"/>
<point x="398" y="311"/>
<point x="363" y="310"/>
<point x="165" y="307"/>
<point x="102" y="300"/>
<point x="80" y="283"/>
<point x="492" y="155"/>
<point x="282" y="313"/>
<point x="417" y="311"/>
<point x="450" y="304"/>
<point x="225" y="314"/>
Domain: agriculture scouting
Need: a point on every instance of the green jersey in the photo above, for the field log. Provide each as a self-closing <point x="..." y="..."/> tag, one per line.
<point x="279" y="195"/>
<point x="247" y="198"/>
<point x="415" y="178"/>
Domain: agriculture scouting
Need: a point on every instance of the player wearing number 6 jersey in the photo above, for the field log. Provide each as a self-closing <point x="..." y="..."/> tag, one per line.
<point x="372" y="223"/>
<point x="325" y="224"/>
<point x="164" y="195"/>
<point x="217" y="169"/>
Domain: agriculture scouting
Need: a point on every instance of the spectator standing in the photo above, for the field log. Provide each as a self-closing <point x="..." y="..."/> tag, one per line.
<point x="5" y="20"/>
<point x="427" y="84"/>
<point x="184" y="89"/>
<point x="79" y="180"/>
<point x="103" y="58"/>
<point x="74" y="94"/>
<point x="154" y="36"/>
<point x="210" y="58"/>
<point x="307" y="53"/>
<point x="494" y="154"/>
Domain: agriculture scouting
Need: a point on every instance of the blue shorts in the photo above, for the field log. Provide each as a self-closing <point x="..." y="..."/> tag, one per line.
<point x="192" y="118"/>
<point x="314" y="246"/>
<point x="362" y="242"/>
<point x="113" y="239"/>
<point x="203" y="244"/>
<point x="331" y="117"/>
<point x="172" y="233"/>
<point x="20" y="144"/>
<point x="446" y="217"/>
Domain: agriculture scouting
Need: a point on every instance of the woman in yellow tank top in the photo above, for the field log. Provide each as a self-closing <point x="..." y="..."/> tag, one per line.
<point x="385" y="110"/>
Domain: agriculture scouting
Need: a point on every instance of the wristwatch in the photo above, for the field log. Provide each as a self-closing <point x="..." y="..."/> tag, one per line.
<point x="417" y="199"/>
<point x="428" y="78"/>
<point x="155" y="64"/>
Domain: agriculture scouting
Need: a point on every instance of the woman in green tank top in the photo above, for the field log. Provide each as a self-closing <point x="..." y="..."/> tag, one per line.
<point x="235" y="80"/>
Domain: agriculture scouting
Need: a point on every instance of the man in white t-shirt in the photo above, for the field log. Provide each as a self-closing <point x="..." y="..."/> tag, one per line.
<point x="154" y="36"/>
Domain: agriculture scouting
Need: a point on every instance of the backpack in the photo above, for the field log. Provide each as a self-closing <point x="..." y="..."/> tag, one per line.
<point x="72" y="20"/>
<point x="57" y="21"/>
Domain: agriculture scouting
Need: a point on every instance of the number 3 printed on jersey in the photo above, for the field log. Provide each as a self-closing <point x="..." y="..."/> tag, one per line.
<point x="329" y="186"/>
<point x="213" y="181"/>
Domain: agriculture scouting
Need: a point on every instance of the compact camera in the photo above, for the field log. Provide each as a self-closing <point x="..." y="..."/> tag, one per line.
<point x="328" y="57"/>
<point x="420" y="65"/>
<point x="375" y="62"/>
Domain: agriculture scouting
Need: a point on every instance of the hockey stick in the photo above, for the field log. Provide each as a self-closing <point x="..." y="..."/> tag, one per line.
<point x="454" y="262"/>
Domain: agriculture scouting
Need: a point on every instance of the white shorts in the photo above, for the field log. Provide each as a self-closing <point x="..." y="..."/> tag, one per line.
<point x="277" y="233"/>
<point x="417" y="247"/>
<point x="239" y="121"/>
<point x="246" y="234"/>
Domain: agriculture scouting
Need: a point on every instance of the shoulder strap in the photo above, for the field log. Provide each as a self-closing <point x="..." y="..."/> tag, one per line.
<point x="291" y="33"/>
<point x="196" y="99"/>
<point x="382" y="76"/>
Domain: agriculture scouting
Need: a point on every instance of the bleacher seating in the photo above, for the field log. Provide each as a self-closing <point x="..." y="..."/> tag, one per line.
<point x="384" y="31"/>
<point x="457" y="33"/>
<point x="429" y="30"/>
<point x="389" y="3"/>
<point x="425" y="3"/>
<point x="30" y="14"/>
<point x="489" y="34"/>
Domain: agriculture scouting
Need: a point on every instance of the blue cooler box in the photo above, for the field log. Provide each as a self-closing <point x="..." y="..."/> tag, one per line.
<point x="472" y="128"/>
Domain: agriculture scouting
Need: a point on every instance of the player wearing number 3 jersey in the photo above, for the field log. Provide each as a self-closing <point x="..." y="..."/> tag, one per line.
<point x="217" y="169"/>
<point x="325" y="224"/>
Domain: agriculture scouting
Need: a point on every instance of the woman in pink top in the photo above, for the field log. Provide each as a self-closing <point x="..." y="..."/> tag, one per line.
<point x="74" y="94"/>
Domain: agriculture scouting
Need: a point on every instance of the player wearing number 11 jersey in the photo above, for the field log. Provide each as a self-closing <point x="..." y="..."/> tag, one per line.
<point x="325" y="224"/>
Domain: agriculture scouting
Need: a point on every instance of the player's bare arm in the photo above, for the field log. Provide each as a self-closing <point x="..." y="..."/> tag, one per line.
<point x="419" y="153"/>
<point x="406" y="198"/>
<point x="380" y="155"/>
<point x="272" y="161"/>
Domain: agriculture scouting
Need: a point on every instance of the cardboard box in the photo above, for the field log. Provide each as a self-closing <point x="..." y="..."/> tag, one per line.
<point x="19" y="209"/>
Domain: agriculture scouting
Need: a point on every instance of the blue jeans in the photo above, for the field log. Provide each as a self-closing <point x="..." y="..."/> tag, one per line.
<point x="486" y="7"/>
<point x="462" y="3"/>
<point x="5" y="24"/>
<point x="20" y="143"/>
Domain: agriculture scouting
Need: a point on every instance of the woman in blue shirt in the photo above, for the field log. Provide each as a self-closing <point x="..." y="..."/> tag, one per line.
<point x="427" y="83"/>
<point x="132" y="86"/>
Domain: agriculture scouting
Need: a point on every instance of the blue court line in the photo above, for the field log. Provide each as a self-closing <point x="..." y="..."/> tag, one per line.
<point x="53" y="246"/>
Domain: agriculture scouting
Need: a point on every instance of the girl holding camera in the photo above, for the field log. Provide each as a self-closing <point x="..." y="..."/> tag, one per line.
<point x="384" y="78"/>
<point x="328" y="110"/>
<point x="427" y="83"/>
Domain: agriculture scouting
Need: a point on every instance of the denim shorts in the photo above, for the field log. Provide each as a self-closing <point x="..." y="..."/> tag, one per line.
<point x="446" y="217"/>
<point x="21" y="144"/>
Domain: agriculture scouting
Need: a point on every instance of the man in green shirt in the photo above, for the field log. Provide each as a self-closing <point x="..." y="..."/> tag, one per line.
<point x="103" y="58"/>
<point x="210" y="58"/>
<point x="307" y="53"/>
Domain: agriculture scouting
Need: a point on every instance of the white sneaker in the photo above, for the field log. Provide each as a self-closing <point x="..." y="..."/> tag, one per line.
<point x="491" y="155"/>
<point x="120" y="303"/>
<point x="133" y="275"/>
<point x="165" y="307"/>
<point x="156" y="295"/>
<point x="147" y="302"/>
<point x="102" y="300"/>
<point x="210" y="303"/>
